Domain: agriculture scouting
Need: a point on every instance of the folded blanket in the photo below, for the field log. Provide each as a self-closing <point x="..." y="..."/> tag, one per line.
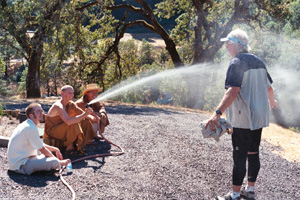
<point x="225" y="126"/>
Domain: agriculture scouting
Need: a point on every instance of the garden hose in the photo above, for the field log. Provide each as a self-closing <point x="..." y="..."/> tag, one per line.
<point x="88" y="157"/>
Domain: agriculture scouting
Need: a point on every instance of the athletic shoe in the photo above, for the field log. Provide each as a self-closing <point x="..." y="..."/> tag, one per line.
<point x="247" y="195"/>
<point x="227" y="197"/>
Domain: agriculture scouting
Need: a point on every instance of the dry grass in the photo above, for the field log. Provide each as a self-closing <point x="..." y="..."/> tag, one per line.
<point x="287" y="140"/>
<point x="152" y="38"/>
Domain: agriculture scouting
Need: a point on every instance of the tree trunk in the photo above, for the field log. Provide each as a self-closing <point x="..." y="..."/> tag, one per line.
<point x="33" y="75"/>
<point x="171" y="48"/>
<point x="170" y="45"/>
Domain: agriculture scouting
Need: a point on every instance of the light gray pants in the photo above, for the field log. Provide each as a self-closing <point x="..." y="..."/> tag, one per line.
<point x="39" y="163"/>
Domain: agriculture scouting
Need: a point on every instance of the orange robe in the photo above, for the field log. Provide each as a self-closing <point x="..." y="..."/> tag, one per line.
<point x="80" y="133"/>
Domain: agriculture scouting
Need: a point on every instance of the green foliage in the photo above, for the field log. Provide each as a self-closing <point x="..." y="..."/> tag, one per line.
<point x="267" y="46"/>
<point x="76" y="45"/>
<point x="3" y="88"/>
<point x="294" y="129"/>
<point x="213" y="94"/>
<point x="146" y="53"/>
<point x="17" y="76"/>
<point x="294" y="18"/>
<point x="2" y="108"/>
<point x="130" y="61"/>
<point x="3" y="85"/>
<point x="184" y="30"/>
<point x="2" y="66"/>
<point x="177" y="86"/>
<point x="79" y="40"/>
<point x="22" y="83"/>
<point x="186" y="53"/>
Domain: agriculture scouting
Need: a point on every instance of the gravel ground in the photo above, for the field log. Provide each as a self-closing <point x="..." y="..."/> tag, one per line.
<point x="165" y="157"/>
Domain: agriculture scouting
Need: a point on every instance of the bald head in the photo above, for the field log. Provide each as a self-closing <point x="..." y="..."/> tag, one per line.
<point x="66" y="87"/>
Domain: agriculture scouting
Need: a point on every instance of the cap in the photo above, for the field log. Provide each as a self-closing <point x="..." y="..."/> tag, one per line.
<point x="233" y="39"/>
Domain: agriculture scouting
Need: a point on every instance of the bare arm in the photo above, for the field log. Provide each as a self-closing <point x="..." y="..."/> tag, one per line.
<point x="229" y="96"/>
<point x="73" y="120"/>
<point x="272" y="101"/>
<point x="46" y="152"/>
<point x="54" y="149"/>
<point x="57" y="109"/>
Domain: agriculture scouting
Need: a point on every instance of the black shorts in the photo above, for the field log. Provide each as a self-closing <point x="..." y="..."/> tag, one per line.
<point x="246" y="140"/>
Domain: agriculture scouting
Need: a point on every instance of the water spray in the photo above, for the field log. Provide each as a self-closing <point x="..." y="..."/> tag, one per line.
<point x="192" y="71"/>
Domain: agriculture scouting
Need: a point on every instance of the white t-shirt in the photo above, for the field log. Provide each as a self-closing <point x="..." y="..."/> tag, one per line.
<point x="24" y="142"/>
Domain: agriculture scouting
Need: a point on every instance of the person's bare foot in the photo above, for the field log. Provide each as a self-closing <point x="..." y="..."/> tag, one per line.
<point x="64" y="162"/>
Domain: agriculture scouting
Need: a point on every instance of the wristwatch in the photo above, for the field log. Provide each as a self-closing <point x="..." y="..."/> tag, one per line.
<point x="218" y="112"/>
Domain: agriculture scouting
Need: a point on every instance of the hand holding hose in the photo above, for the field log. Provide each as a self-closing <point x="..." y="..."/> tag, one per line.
<point x="88" y="110"/>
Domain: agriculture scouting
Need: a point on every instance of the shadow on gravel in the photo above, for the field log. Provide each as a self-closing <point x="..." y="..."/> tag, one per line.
<point x="101" y="147"/>
<point x="116" y="109"/>
<point x="135" y="110"/>
<point x="38" y="179"/>
<point x="22" y="106"/>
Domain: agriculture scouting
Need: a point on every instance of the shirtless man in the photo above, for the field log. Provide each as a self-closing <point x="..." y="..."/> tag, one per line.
<point x="25" y="144"/>
<point x="68" y="123"/>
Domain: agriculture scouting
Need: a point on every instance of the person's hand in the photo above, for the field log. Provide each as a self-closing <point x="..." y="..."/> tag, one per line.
<point x="58" y="154"/>
<point x="88" y="110"/>
<point x="274" y="104"/>
<point x="213" y="122"/>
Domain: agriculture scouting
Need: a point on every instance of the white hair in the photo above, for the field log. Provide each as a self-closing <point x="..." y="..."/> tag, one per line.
<point x="243" y="36"/>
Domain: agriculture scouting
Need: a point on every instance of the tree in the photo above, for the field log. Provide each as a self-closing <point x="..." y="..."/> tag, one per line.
<point x="212" y="20"/>
<point x="17" y="18"/>
<point x="202" y="23"/>
<point x="3" y="87"/>
<point x="151" y="24"/>
<point x="294" y="18"/>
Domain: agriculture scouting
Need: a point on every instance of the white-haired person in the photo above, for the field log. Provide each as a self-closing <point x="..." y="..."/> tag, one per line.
<point x="99" y="114"/>
<point x="247" y="99"/>
<point x="26" y="152"/>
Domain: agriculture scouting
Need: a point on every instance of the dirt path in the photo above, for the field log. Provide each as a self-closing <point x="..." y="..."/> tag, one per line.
<point x="165" y="157"/>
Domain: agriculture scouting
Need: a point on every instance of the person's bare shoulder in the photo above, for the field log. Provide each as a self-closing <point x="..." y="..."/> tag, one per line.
<point x="55" y="109"/>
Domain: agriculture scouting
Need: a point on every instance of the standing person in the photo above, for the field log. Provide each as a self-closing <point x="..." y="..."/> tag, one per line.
<point x="247" y="98"/>
<point x="99" y="114"/>
<point x="68" y="123"/>
<point x="26" y="152"/>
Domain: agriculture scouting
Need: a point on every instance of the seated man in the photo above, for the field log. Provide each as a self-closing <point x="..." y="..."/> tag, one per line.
<point x="26" y="152"/>
<point x="68" y="123"/>
<point x="99" y="114"/>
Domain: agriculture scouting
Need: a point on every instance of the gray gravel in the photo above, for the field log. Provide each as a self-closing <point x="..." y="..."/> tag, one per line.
<point x="165" y="157"/>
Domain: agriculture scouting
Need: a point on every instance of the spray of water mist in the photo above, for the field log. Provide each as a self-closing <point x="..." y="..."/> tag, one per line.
<point x="193" y="72"/>
<point x="286" y="86"/>
<point x="287" y="91"/>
